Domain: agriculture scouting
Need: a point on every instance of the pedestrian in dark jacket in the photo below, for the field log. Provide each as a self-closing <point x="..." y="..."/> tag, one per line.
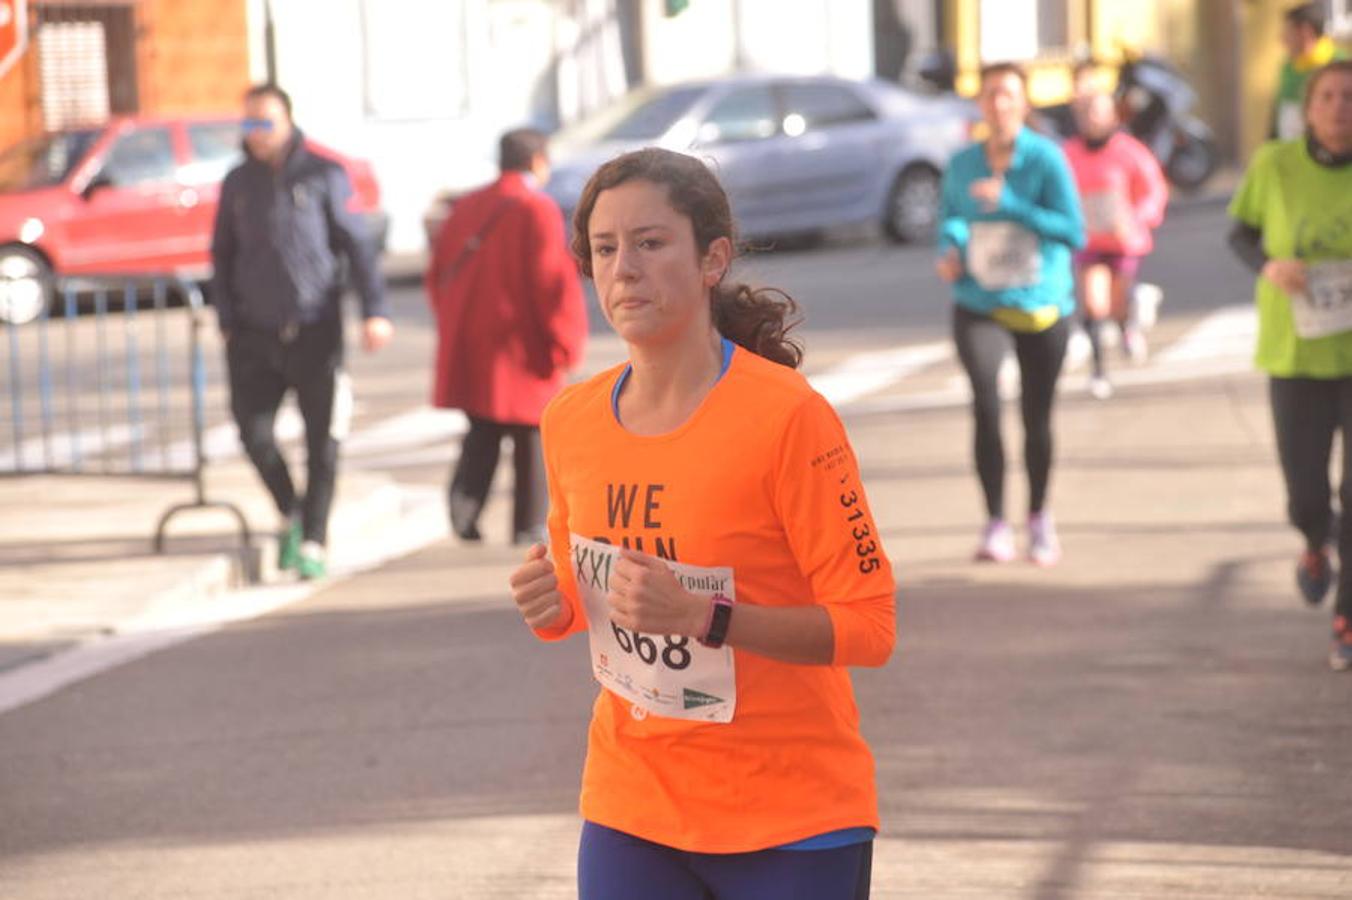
<point x="511" y="321"/>
<point x="281" y="227"/>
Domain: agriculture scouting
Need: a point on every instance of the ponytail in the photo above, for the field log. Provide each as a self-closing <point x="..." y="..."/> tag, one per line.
<point x="758" y="319"/>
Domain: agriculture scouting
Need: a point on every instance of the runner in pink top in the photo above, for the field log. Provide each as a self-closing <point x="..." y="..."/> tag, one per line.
<point x="1123" y="194"/>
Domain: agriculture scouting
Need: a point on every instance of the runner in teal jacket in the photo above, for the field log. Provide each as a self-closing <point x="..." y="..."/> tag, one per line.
<point x="1011" y="218"/>
<point x="1039" y="195"/>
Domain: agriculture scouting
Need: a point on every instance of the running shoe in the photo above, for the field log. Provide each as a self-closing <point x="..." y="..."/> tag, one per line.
<point x="997" y="542"/>
<point x="1314" y="575"/>
<point x="1100" y="388"/>
<point x="313" y="563"/>
<point x="1044" y="548"/>
<point x="1134" y="344"/>
<point x="529" y="536"/>
<point x="1340" y="659"/>
<point x="288" y="547"/>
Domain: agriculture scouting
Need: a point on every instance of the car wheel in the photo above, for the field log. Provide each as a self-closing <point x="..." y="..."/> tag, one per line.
<point x="26" y="285"/>
<point x="913" y="206"/>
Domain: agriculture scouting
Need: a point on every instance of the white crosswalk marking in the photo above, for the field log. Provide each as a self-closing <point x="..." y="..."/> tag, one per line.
<point x="866" y="373"/>
<point x="1230" y="331"/>
<point x="1219" y="344"/>
<point x="923" y="375"/>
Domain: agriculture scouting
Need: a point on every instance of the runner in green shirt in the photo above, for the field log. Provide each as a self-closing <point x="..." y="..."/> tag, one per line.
<point x="1307" y="49"/>
<point x="1293" y="215"/>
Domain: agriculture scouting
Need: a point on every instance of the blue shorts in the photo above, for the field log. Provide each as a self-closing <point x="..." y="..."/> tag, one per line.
<point x="612" y="865"/>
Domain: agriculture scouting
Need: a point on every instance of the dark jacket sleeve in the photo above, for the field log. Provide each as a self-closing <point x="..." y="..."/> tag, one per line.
<point x="1247" y="243"/>
<point x="349" y="233"/>
<point x="223" y="249"/>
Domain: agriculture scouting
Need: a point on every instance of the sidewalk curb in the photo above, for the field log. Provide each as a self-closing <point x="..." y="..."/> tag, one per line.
<point x="395" y="521"/>
<point x="206" y="585"/>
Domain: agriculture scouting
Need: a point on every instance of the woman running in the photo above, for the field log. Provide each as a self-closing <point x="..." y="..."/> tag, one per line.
<point x="1010" y="220"/>
<point x="709" y="531"/>
<point x="1293" y="227"/>
<point x="1123" y="192"/>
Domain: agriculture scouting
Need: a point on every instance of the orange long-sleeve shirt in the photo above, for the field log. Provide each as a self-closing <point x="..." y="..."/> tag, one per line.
<point x="761" y="479"/>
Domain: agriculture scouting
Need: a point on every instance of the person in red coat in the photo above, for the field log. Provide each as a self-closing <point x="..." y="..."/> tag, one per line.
<point x="511" y="322"/>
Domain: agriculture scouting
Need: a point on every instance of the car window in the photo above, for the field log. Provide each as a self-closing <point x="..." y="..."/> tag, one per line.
<point x="809" y="107"/>
<point x="215" y="150"/>
<point x="44" y="161"/>
<point x="144" y="156"/>
<point x="652" y="119"/>
<point x="746" y="114"/>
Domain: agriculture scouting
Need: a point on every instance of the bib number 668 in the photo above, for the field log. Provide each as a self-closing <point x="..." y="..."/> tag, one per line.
<point x="675" y="654"/>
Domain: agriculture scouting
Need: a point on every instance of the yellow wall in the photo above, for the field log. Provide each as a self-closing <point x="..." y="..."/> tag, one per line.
<point x="1263" y="54"/>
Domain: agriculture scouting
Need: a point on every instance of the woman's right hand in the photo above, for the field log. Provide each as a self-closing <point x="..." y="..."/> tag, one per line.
<point x="949" y="266"/>
<point x="1287" y="274"/>
<point x="535" y="590"/>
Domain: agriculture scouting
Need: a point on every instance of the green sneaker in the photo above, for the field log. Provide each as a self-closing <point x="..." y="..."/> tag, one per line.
<point x="288" y="547"/>
<point x="312" y="564"/>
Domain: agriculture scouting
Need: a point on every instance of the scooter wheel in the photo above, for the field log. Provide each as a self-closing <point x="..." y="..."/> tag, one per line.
<point x="1192" y="162"/>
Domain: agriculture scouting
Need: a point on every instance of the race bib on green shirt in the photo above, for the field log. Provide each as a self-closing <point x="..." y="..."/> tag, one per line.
<point x="1326" y="306"/>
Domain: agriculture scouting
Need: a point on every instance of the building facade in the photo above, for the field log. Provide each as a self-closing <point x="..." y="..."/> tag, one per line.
<point x="1230" y="50"/>
<point x="87" y="61"/>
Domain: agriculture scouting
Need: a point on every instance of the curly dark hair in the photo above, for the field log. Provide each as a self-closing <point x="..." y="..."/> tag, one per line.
<point x="758" y="319"/>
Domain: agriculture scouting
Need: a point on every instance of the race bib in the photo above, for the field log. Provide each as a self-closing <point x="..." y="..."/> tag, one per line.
<point x="1003" y="255"/>
<point x="1290" y="120"/>
<point x="1106" y="212"/>
<point x="1326" y="306"/>
<point x="662" y="675"/>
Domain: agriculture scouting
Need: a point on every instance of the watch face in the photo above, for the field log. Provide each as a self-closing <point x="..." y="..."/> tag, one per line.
<point x="718" y="626"/>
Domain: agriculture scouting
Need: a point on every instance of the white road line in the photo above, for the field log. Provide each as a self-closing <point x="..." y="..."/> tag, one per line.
<point x="65" y="447"/>
<point x="1221" y="344"/>
<point x="415" y="428"/>
<point x="1227" y="332"/>
<point x="866" y="373"/>
<point x="422" y="522"/>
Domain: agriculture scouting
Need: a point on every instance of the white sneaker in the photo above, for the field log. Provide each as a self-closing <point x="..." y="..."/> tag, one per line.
<point x="1134" y="344"/>
<point x="1044" y="548"/>
<point x="997" y="542"/>
<point x="1100" y="388"/>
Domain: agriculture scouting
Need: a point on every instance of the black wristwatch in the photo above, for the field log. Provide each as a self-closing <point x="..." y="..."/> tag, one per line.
<point x="720" y="616"/>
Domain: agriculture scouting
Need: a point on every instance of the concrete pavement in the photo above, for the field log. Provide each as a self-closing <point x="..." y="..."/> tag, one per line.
<point x="1153" y="718"/>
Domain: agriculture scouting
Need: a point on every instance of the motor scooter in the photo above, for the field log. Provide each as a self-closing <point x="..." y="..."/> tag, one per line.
<point x="1155" y="102"/>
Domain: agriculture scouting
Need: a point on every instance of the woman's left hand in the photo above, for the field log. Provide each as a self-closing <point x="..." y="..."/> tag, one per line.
<point x="645" y="596"/>
<point x="1287" y="274"/>
<point x="987" y="191"/>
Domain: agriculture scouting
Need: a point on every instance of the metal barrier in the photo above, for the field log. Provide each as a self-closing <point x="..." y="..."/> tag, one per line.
<point x="101" y="395"/>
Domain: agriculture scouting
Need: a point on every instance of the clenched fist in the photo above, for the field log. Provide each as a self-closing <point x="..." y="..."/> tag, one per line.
<point x="535" y="590"/>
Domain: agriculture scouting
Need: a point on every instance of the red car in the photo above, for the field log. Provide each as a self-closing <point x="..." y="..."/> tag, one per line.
<point x="133" y="196"/>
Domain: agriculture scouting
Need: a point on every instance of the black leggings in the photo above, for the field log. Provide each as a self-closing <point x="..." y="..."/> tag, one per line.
<point x="473" y="475"/>
<point x="1307" y="412"/>
<point x="263" y="367"/>
<point x="982" y="346"/>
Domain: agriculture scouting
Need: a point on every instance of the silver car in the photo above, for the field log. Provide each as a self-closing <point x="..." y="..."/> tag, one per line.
<point x="796" y="154"/>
